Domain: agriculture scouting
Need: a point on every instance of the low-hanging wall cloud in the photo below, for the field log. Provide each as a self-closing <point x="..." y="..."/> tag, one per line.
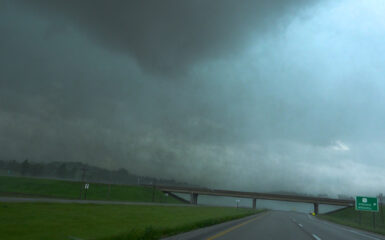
<point x="248" y="95"/>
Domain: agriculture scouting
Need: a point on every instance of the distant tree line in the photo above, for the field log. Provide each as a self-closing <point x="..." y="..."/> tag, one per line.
<point x="78" y="171"/>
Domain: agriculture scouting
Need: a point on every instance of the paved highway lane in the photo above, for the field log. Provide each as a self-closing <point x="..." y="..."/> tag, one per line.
<point x="278" y="225"/>
<point x="321" y="229"/>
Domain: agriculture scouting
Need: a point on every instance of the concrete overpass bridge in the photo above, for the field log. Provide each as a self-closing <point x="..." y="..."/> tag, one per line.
<point x="195" y="192"/>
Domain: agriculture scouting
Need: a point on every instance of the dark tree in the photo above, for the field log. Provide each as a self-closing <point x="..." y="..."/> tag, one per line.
<point x="61" y="171"/>
<point x="36" y="169"/>
<point x="25" y="166"/>
<point x="14" y="166"/>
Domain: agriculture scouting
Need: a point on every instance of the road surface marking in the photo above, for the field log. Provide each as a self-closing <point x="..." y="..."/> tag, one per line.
<point x="361" y="234"/>
<point x="352" y="231"/>
<point x="300" y="225"/>
<point x="233" y="228"/>
<point x="316" y="237"/>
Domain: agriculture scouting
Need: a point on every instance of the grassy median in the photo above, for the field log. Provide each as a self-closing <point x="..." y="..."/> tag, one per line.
<point x="350" y="217"/>
<point x="36" y="187"/>
<point x="52" y="221"/>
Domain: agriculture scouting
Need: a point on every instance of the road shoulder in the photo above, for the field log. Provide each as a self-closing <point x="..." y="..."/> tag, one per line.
<point x="206" y="232"/>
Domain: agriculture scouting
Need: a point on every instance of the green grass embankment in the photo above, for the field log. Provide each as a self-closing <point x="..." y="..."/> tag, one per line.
<point x="350" y="217"/>
<point x="53" y="221"/>
<point x="37" y="187"/>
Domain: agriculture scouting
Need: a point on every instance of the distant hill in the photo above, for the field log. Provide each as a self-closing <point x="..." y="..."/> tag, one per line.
<point x="78" y="171"/>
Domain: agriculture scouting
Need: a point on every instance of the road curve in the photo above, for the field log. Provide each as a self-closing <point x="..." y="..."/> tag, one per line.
<point x="278" y="225"/>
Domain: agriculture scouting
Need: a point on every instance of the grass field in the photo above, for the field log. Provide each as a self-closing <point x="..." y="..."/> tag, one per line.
<point x="34" y="187"/>
<point x="350" y="217"/>
<point x="53" y="221"/>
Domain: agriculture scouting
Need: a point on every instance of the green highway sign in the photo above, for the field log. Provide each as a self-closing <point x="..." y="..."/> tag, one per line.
<point x="366" y="204"/>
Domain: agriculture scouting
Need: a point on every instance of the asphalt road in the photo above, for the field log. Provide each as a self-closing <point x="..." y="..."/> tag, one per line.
<point x="278" y="225"/>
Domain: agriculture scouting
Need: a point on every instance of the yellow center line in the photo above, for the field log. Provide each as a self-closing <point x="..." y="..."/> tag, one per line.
<point x="234" y="227"/>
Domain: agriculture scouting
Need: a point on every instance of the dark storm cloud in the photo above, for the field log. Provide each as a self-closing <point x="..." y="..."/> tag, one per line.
<point x="164" y="37"/>
<point x="227" y="93"/>
<point x="168" y="36"/>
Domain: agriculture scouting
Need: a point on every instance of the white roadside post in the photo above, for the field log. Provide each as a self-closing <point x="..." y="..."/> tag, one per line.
<point x="86" y="186"/>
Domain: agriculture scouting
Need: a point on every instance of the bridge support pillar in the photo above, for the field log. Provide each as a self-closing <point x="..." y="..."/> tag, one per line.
<point x="316" y="208"/>
<point x="194" y="198"/>
<point x="254" y="203"/>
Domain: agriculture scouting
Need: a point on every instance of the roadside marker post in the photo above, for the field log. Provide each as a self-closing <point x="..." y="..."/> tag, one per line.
<point x="237" y="201"/>
<point x="86" y="186"/>
<point x="374" y="221"/>
<point x="359" y="217"/>
<point x="382" y="208"/>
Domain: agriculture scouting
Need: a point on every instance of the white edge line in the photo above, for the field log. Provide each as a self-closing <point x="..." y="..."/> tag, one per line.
<point x="300" y="225"/>
<point x="352" y="231"/>
<point x="316" y="237"/>
<point x="361" y="234"/>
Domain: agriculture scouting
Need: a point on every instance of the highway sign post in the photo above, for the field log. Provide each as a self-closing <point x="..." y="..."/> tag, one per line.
<point x="366" y="204"/>
<point x="381" y="197"/>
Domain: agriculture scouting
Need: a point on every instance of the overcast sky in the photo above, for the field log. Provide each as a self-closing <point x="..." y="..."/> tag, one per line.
<point x="248" y="95"/>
